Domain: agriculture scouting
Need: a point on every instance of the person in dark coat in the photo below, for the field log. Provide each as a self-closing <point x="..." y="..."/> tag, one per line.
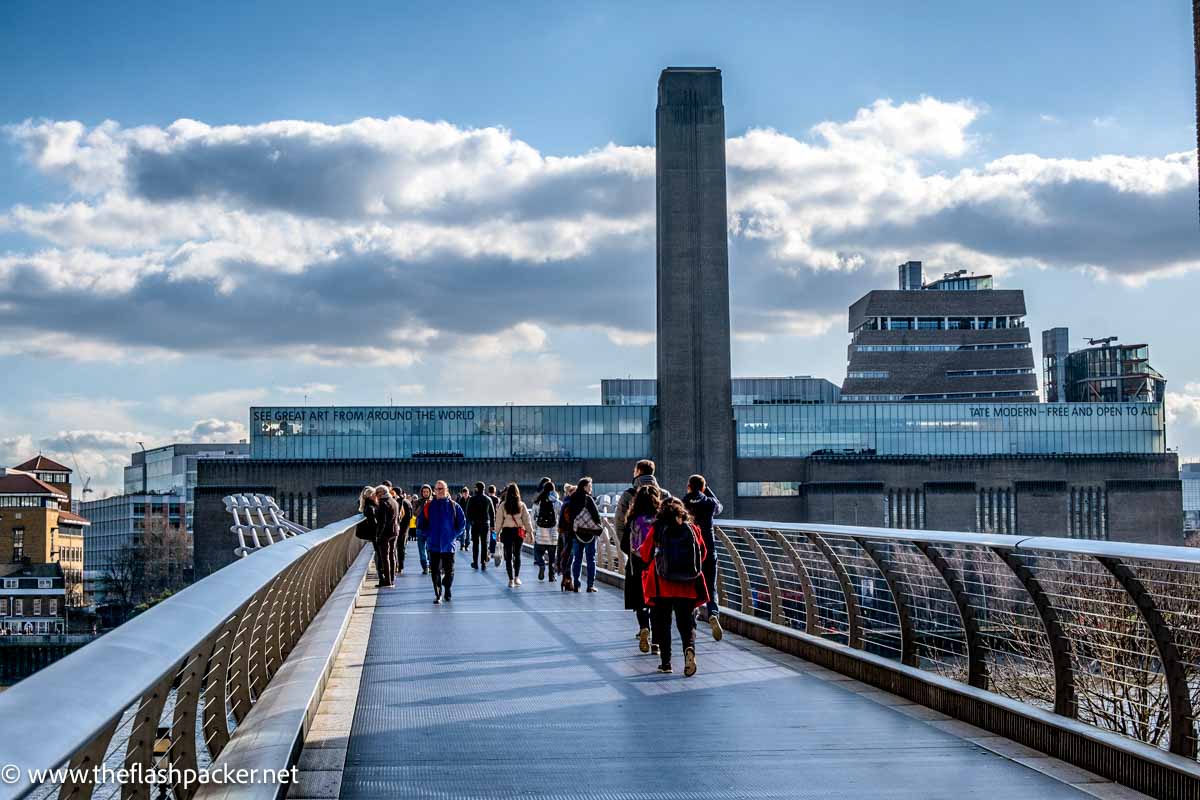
<point x="406" y="520"/>
<point x="387" y="534"/>
<point x="369" y="527"/>
<point x="464" y="497"/>
<point x="703" y="505"/>
<point x="481" y="519"/>
<point x="640" y="515"/>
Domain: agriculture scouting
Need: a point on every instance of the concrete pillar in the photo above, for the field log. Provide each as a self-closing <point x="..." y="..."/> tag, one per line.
<point x="695" y="394"/>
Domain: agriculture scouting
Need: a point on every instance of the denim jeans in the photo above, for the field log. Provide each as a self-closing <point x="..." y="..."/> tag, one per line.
<point x="423" y="551"/>
<point x="589" y="550"/>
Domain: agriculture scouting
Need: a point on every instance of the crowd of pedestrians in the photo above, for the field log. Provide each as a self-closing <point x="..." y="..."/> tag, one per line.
<point x="670" y="571"/>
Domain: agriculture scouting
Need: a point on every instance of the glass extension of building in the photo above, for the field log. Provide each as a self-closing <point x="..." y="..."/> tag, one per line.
<point x="949" y="429"/>
<point x="491" y="432"/>
<point x="763" y="431"/>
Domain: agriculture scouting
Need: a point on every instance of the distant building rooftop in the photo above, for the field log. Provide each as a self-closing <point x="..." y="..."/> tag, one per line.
<point x="42" y="464"/>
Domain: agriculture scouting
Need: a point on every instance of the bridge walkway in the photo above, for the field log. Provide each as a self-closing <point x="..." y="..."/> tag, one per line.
<point x="535" y="693"/>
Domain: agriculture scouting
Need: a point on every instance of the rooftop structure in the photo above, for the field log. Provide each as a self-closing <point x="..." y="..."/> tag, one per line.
<point x="1104" y="372"/>
<point x="956" y="339"/>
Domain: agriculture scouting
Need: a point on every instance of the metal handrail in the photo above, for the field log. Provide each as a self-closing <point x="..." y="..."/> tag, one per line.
<point x="1100" y="632"/>
<point x="217" y="642"/>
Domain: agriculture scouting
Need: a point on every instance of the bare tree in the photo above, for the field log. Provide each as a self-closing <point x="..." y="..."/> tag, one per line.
<point x="149" y="569"/>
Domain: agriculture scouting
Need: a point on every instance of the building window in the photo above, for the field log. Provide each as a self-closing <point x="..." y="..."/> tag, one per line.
<point x="18" y="607"/>
<point x="867" y="373"/>
<point x="768" y="488"/>
<point x="10" y="583"/>
<point x="45" y="583"/>
<point x="18" y="544"/>
<point x="3" y="606"/>
<point x="37" y="606"/>
<point x="53" y="607"/>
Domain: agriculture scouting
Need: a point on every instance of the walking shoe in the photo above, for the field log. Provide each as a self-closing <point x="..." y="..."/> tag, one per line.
<point x="664" y="668"/>
<point x="653" y="649"/>
<point x="714" y="622"/>
<point x="483" y="567"/>
<point x="474" y="565"/>
<point x="437" y="599"/>
<point x="689" y="662"/>
<point x="510" y="583"/>
<point x="448" y="597"/>
<point x="644" y="640"/>
<point x="424" y="570"/>
<point x="551" y="578"/>
<point x="593" y="589"/>
<point x="575" y="587"/>
<point x="517" y="581"/>
<point x="542" y="574"/>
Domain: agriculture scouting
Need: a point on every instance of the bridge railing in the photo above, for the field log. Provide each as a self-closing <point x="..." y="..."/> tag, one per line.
<point x="168" y="690"/>
<point x="1104" y="633"/>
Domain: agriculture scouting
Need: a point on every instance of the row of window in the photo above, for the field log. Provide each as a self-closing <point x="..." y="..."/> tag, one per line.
<point x="15" y="583"/>
<point x="896" y="398"/>
<point x="941" y="323"/>
<point x="27" y="501"/>
<point x="768" y="488"/>
<point x="868" y="373"/>
<point x="938" y="348"/>
<point x="976" y="373"/>
<point x="35" y="606"/>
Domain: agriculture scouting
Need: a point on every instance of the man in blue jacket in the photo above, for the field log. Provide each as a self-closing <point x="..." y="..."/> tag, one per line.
<point x="442" y="521"/>
<point x="703" y="505"/>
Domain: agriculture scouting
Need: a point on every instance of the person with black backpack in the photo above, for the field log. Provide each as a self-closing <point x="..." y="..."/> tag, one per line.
<point x="641" y="515"/>
<point x="586" y="526"/>
<point x="545" y="528"/>
<point x="673" y="580"/>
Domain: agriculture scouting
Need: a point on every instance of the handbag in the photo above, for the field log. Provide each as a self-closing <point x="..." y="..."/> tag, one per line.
<point x="586" y="526"/>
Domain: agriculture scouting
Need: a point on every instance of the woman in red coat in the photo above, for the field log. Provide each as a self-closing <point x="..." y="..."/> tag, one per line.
<point x="675" y="545"/>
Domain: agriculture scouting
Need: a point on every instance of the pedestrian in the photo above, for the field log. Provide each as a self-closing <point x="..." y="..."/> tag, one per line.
<point x="495" y="498"/>
<point x="586" y="525"/>
<point x="406" y="523"/>
<point x="566" y="538"/>
<point x="703" y="505"/>
<point x="464" y="496"/>
<point x="481" y="519"/>
<point x="368" y="529"/>
<point x="387" y="533"/>
<point x="641" y="514"/>
<point x="442" y="521"/>
<point x="514" y="525"/>
<point x="643" y="475"/>
<point x="426" y="494"/>
<point x="673" y="581"/>
<point x="546" y="507"/>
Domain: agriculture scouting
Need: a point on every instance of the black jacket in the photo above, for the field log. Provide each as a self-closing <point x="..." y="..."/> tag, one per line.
<point x="703" y="507"/>
<point x="369" y="527"/>
<point x="481" y="512"/>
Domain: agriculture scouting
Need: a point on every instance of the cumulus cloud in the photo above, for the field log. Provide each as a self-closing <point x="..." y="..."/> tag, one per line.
<point x="402" y="242"/>
<point x="215" y="430"/>
<point x="309" y="388"/>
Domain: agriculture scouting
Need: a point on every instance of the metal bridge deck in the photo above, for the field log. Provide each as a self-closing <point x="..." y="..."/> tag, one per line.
<point x="534" y="693"/>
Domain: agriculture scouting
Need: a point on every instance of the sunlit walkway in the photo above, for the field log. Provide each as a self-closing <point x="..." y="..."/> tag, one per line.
<point x="530" y="692"/>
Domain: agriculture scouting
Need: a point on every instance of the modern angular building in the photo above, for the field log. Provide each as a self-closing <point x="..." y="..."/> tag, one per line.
<point x="937" y="427"/>
<point x="159" y="483"/>
<point x="1103" y="372"/>
<point x="957" y="339"/>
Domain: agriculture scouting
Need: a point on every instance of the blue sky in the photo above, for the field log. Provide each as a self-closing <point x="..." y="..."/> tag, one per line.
<point x="181" y="271"/>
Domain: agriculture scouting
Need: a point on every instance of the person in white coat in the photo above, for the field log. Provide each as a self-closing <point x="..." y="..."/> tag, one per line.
<point x="514" y="524"/>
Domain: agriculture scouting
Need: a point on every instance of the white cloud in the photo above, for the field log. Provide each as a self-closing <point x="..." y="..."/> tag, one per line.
<point x="397" y="241"/>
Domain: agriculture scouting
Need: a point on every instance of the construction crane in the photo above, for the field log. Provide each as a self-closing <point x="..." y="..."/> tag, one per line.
<point x="1101" y="342"/>
<point x="87" y="479"/>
